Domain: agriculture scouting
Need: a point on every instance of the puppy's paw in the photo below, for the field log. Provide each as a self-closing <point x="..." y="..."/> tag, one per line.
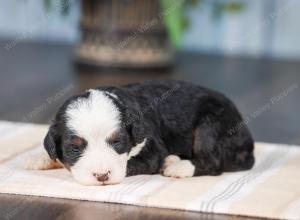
<point x="41" y="162"/>
<point x="169" y="160"/>
<point x="180" y="169"/>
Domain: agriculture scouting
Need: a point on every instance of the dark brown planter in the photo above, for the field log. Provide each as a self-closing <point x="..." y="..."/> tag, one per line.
<point x="123" y="33"/>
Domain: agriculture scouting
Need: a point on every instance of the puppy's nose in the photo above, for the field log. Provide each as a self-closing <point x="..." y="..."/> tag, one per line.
<point x="101" y="177"/>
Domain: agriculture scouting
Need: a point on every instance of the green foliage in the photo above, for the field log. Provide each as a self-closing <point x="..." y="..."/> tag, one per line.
<point x="174" y="19"/>
<point x="177" y="20"/>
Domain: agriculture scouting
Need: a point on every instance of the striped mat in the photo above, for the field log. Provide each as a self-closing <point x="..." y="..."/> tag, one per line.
<point x="271" y="189"/>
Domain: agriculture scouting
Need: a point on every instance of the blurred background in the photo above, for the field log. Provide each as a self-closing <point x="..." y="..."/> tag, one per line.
<point x="248" y="27"/>
<point x="247" y="49"/>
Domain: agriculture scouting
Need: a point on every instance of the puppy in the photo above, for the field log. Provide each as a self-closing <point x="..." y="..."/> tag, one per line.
<point x="173" y="127"/>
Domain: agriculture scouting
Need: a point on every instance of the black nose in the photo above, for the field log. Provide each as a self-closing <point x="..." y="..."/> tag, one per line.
<point x="101" y="177"/>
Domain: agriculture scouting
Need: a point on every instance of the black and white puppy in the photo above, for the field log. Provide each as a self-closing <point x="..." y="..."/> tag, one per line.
<point x="176" y="128"/>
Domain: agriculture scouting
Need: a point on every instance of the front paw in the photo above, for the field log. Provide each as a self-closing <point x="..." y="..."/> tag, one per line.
<point x="168" y="161"/>
<point x="41" y="162"/>
<point x="179" y="169"/>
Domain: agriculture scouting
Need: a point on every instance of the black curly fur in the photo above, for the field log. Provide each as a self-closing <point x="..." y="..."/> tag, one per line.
<point x="175" y="117"/>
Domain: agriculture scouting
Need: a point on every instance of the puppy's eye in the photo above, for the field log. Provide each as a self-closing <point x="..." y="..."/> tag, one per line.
<point x="114" y="139"/>
<point x="115" y="142"/>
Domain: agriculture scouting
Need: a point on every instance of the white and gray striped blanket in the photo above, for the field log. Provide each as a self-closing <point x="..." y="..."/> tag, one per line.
<point x="271" y="189"/>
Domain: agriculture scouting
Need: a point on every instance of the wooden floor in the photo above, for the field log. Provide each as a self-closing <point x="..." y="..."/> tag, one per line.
<point x="36" y="78"/>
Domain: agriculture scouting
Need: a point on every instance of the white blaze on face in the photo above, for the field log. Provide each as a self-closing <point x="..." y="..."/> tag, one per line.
<point x="95" y="118"/>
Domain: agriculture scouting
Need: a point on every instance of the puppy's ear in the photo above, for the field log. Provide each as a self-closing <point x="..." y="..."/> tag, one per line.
<point x="136" y="126"/>
<point x="50" y="142"/>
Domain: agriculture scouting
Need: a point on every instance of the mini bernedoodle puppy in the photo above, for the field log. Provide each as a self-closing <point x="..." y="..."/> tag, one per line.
<point x="174" y="128"/>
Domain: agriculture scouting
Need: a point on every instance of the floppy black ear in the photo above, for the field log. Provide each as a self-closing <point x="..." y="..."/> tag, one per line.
<point x="136" y="126"/>
<point x="50" y="142"/>
<point x="137" y="133"/>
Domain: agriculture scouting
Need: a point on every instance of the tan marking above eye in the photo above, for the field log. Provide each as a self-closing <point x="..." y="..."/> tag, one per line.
<point x="113" y="137"/>
<point x="77" y="141"/>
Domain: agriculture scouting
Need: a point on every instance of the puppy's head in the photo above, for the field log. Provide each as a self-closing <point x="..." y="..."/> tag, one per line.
<point x="94" y="135"/>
